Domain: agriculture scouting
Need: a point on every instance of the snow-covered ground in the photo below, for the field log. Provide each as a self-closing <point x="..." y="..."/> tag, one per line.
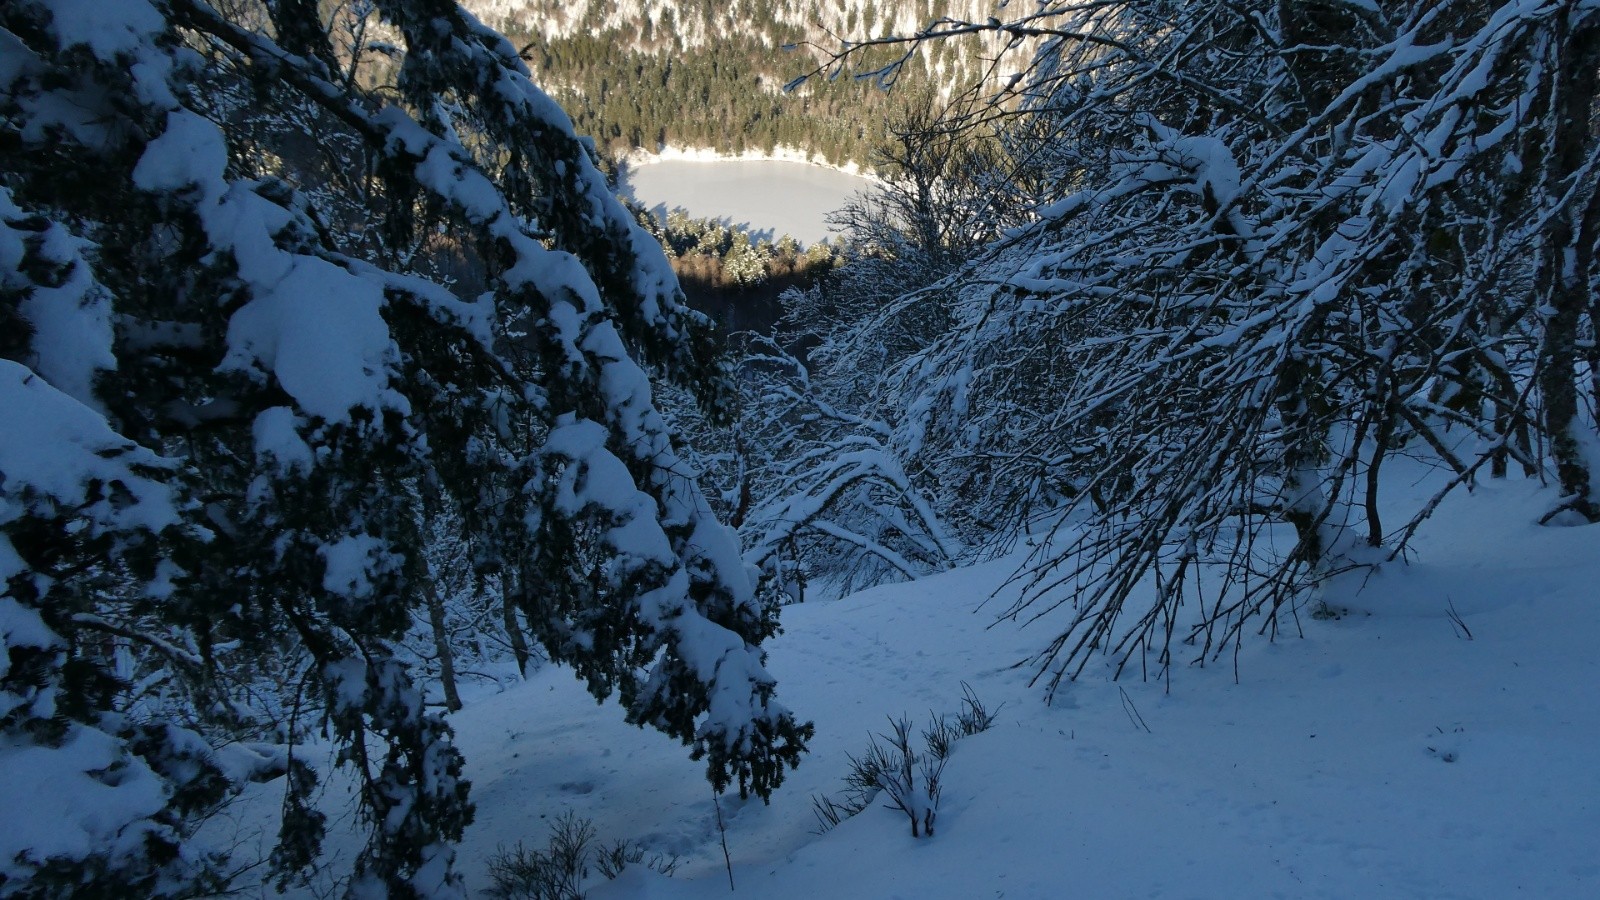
<point x="1382" y="754"/>
<point x="768" y="197"/>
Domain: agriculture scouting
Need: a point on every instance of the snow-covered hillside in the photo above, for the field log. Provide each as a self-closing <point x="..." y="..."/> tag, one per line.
<point x="700" y="22"/>
<point x="733" y="77"/>
<point x="349" y="423"/>
<point x="677" y="26"/>
<point x="1385" y="753"/>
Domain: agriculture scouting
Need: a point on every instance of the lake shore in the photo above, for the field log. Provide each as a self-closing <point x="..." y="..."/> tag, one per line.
<point x="640" y="157"/>
<point x="766" y="197"/>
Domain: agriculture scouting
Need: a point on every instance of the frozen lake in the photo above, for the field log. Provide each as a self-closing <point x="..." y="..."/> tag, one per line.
<point x="769" y="197"/>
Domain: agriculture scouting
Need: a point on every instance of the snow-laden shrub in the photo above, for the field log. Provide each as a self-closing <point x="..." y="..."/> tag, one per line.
<point x="559" y="870"/>
<point x="910" y="779"/>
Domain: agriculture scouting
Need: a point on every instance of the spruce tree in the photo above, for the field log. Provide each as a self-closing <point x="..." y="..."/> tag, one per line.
<point x="276" y="390"/>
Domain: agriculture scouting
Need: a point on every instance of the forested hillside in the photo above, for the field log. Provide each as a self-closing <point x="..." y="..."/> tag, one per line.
<point x="707" y="74"/>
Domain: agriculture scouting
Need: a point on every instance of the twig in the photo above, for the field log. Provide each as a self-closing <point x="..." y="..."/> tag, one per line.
<point x="727" y="861"/>
<point x="1457" y="624"/>
<point x="1132" y="711"/>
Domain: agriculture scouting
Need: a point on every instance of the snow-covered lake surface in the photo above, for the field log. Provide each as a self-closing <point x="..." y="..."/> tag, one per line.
<point x="769" y="197"/>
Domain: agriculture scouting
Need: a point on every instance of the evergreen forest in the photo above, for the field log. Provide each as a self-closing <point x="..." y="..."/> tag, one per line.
<point x="709" y="75"/>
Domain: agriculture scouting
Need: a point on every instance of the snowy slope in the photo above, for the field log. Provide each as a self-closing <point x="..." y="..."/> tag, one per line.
<point x="699" y="23"/>
<point x="1383" y="754"/>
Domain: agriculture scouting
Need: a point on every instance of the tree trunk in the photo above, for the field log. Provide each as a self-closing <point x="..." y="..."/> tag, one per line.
<point x="1304" y="456"/>
<point x="1564" y="268"/>
<point x="519" y="641"/>
<point x="441" y="644"/>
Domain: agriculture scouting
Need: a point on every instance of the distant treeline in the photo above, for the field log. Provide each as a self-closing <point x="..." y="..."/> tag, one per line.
<point x="733" y="276"/>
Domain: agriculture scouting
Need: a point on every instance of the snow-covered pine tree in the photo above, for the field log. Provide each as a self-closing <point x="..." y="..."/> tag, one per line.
<point x="105" y="798"/>
<point x="295" y="394"/>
